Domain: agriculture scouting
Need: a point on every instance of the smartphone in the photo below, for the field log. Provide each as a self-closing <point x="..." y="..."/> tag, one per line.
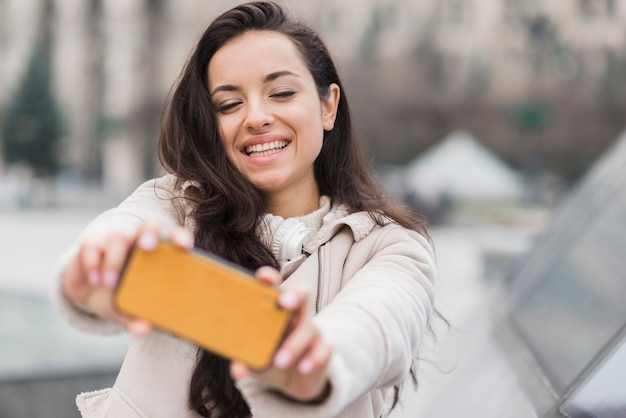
<point x="207" y="300"/>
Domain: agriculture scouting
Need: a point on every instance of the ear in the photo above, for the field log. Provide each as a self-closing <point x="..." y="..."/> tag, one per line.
<point x="329" y="107"/>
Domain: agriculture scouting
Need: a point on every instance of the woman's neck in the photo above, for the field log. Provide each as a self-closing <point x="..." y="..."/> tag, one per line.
<point x="293" y="204"/>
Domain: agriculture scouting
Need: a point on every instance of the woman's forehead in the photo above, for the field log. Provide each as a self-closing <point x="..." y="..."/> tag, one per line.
<point x="256" y="52"/>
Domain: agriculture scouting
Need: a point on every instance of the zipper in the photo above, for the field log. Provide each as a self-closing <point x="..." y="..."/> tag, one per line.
<point x="318" y="298"/>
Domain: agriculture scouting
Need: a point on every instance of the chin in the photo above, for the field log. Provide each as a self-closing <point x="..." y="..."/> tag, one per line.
<point x="267" y="185"/>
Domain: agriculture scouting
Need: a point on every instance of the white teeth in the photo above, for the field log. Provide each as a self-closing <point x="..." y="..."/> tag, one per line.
<point x="261" y="150"/>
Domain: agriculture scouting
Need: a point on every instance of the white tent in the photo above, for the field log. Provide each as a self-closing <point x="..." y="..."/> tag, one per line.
<point x="459" y="167"/>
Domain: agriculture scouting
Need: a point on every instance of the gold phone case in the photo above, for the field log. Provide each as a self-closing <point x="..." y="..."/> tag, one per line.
<point x="206" y="300"/>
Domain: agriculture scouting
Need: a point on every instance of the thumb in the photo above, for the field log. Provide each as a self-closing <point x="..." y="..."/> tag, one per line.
<point x="238" y="370"/>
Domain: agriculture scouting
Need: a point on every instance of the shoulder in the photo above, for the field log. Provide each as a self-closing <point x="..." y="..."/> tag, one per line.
<point x="166" y="186"/>
<point x="369" y="234"/>
<point x="363" y="225"/>
<point x="163" y="197"/>
<point x="405" y="243"/>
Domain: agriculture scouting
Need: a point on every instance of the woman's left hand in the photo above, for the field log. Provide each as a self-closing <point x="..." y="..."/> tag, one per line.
<point x="299" y="367"/>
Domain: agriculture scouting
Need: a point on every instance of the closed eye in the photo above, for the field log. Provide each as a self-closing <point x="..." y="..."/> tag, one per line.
<point x="226" y="107"/>
<point x="283" y="94"/>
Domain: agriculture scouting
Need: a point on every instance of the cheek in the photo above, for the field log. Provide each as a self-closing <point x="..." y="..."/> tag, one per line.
<point x="310" y="118"/>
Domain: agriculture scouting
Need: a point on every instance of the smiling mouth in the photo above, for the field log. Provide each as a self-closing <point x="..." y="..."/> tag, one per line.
<point x="262" y="150"/>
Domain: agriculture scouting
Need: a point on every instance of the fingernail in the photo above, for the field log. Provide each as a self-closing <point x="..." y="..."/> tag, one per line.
<point x="139" y="328"/>
<point x="267" y="271"/>
<point x="94" y="278"/>
<point x="306" y="366"/>
<point x="110" y="278"/>
<point x="238" y="371"/>
<point x="148" y="241"/>
<point x="288" y="300"/>
<point x="186" y="240"/>
<point x="282" y="359"/>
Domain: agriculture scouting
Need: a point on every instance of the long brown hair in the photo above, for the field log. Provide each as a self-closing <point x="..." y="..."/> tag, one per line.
<point x="227" y="208"/>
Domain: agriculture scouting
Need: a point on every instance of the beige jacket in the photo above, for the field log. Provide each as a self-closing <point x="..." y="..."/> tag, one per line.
<point x="372" y="290"/>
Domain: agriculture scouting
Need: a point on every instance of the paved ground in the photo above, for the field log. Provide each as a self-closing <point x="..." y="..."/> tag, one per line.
<point x="463" y="372"/>
<point x="31" y="243"/>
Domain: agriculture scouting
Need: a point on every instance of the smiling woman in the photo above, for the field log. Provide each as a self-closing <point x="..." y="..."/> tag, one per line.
<point x="264" y="171"/>
<point x="264" y="94"/>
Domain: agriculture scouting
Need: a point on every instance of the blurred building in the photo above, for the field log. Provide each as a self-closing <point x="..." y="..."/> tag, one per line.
<point x="114" y="61"/>
<point x="459" y="168"/>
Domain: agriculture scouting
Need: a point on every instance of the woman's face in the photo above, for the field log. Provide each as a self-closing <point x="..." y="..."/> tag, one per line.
<point x="269" y="113"/>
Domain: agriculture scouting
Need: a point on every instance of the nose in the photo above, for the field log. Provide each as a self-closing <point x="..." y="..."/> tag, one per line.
<point x="258" y="117"/>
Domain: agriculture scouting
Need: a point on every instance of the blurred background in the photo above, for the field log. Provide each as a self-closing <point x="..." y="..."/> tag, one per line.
<point x="480" y="114"/>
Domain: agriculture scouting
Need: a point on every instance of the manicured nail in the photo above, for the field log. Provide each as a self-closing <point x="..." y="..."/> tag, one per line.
<point x="185" y="239"/>
<point x="238" y="371"/>
<point x="139" y="328"/>
<point x="94" y="278"/>
<point x="282" y="359"/>
<point x="148" y="241"/>
<point x="110" y="278"/>
<point x="306" y="366"/>
<point x="288" y="300"/>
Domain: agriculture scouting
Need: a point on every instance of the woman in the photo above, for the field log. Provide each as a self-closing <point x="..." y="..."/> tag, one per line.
<point x="264" y="171"/>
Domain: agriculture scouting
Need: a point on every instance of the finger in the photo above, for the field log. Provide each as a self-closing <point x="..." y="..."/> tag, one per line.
<point x="269" y="275"/>
<point x="138" y="327"/>
<point x="293" y="298"/>
<point x="182" y="238"/>
<point x="114" y="258"/>
<point x="296" y="345"/>
<point x="148" y="234"/>
<point x="90" y="258"/>
<point x="100" y="302"/>
<point x="148" y="240"/>
<point x="316" y="360"/>
<point x="239" y="370"/>
<point x="312" y="380"/>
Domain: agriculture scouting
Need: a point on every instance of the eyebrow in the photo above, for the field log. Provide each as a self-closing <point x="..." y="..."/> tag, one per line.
<point x="268" y="78"/>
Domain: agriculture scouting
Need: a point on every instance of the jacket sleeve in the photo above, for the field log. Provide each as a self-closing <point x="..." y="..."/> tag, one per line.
<point x="152" y="198"/>
<point x="375" y="323"/>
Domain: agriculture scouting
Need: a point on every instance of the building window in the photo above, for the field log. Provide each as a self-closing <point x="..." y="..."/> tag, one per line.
<point x="516" y="12"/>
<point x="391" y="16"/>
<point x="610" y="8"/>
<point x="512" y="11"/>
<point x="454" y="12"/>
<point x="597" y="9"/>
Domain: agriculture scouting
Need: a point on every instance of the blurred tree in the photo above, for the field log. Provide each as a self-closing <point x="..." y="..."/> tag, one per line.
<point x="530" y="116"/>
<point x="429" y="60"/>
<point x="150" y="116"/>
<point x="33" y="126"/>
<point x="369" y="43"/>
<point x="92" y="160"/>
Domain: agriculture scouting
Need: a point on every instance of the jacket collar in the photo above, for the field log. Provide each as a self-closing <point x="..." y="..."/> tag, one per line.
<point x="361" y="224"/>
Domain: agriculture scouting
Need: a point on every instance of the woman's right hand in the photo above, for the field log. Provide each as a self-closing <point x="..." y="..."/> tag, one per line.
<point x="92" y="275"/>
